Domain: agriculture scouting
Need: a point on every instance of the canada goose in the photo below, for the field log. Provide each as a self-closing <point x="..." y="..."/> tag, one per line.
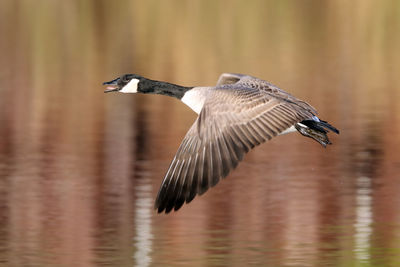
<point x="237" y="114"/>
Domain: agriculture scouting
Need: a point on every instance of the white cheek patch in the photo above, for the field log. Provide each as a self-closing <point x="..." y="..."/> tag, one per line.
<point x="131" y="87"/>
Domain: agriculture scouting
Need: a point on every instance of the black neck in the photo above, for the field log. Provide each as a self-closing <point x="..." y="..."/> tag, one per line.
<point x="147" y="86"/>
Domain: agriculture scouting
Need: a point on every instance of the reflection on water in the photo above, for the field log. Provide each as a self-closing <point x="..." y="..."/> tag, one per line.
<point x="363" y="219"/>
<point x="143" y="236"/>
<point x="79" y="170"/>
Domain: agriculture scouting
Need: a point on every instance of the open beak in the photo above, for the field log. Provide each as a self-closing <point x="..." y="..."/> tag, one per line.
<point x="112" y="86"/>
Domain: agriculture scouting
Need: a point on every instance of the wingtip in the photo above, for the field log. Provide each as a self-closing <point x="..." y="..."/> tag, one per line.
<point x="167" y="209"/>
<point x="159" y="209"/>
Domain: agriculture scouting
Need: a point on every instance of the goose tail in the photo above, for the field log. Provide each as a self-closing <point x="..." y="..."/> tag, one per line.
<point x="317" y="130"/>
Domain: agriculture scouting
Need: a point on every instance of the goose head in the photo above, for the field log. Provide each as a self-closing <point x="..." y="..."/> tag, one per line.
<point x="127" y="83"/>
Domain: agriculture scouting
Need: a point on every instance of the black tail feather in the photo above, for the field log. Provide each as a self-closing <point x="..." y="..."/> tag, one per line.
<point x="314" y="125"/>
<point x="321" y="126"/>
<point x="316" y="130"/>
<point x="330" y="127"/>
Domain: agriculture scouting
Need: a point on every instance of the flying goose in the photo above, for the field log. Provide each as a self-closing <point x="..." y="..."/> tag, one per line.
<point x="237" y="114"/>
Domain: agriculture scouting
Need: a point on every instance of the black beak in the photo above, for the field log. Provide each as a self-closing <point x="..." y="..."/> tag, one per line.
<point x="112" y="86"/>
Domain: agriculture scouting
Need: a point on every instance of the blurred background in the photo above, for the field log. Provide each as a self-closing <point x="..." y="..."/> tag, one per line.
<point x="80" y="170"/>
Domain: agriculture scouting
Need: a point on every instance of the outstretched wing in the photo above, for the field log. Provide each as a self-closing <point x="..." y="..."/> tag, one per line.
<point x="230" y="124"/>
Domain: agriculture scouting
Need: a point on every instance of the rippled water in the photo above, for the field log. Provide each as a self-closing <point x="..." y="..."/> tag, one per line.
<point x="80" y="170"/>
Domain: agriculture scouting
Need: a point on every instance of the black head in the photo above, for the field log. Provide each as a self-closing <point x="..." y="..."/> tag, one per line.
<point x="127" y="83"/>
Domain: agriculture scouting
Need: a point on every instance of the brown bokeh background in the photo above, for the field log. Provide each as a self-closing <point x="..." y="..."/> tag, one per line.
<point x="79" y="170"/>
